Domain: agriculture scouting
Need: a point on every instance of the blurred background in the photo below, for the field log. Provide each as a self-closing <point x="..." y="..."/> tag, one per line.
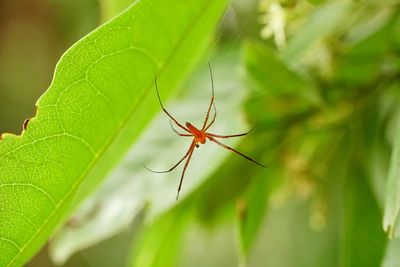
<point x="321" y="80"/>
<point x="33" y="36"/>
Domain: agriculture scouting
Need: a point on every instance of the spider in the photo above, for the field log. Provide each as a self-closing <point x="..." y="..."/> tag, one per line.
<point x="200" y="136"/>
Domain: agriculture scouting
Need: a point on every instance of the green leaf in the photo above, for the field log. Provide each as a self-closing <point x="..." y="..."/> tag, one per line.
<point x="252" y="209"/>
<point x="97" y="105"/>
<point x="274" y="76"/>
<point x="285" y="91"/>
<point x="160" y="243"/>
<point x="392" y="203"/>
<point x="362" y="63"/>
<point x="363" y="241"/>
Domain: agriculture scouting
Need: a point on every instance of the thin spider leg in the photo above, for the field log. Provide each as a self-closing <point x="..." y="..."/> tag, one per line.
<point x="179" y="162"/>
<point x="166" y="112"/>
<point x="178" y="133"/>
<point x="229" y="136"/>
<point x="233" y="150"/>
<point x="183" y="172"/>
<point x="212" y="98"/>
<point x="213" y="120"/>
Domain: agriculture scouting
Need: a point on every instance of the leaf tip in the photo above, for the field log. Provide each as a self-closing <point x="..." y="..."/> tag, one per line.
<point x="389" y="229"/>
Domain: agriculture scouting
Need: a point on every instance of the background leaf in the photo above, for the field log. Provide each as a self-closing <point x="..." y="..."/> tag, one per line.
<point x="161" y="241"/>
<point x="361" y="232"/>
<point x="392" y="206"/>
<point x="250" y="212"/>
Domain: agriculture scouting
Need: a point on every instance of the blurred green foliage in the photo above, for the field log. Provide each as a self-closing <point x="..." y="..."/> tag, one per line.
<point x="323" y="87"/>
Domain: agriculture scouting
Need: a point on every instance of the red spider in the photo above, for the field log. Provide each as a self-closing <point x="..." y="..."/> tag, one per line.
<point x="199" y="136"/>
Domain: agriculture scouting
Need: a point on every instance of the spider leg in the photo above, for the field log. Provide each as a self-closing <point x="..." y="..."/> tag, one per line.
<point x="213" y="120"/>
<point x="166" y="112"/>
<point x="212" y="98"/>
<point x="178" y="133"/>
<point x="233" y="150"/>
<point x="229" y="136"/>
<point x="184" y="170"/>
<point x="179" y="162"/>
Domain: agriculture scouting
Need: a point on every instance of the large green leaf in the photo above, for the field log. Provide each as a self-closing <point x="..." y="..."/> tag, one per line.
<point x="160" y="242"/>
<point x="96" y="106"/>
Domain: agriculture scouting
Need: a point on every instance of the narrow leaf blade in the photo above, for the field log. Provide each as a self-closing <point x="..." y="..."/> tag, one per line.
<point x="392" y="203"/>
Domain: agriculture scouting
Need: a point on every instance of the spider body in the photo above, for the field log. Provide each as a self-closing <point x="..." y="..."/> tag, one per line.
<point x="199" y="136"/>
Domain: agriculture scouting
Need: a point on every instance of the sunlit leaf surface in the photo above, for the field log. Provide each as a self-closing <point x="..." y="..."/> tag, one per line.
<point x="97" y="104"/>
